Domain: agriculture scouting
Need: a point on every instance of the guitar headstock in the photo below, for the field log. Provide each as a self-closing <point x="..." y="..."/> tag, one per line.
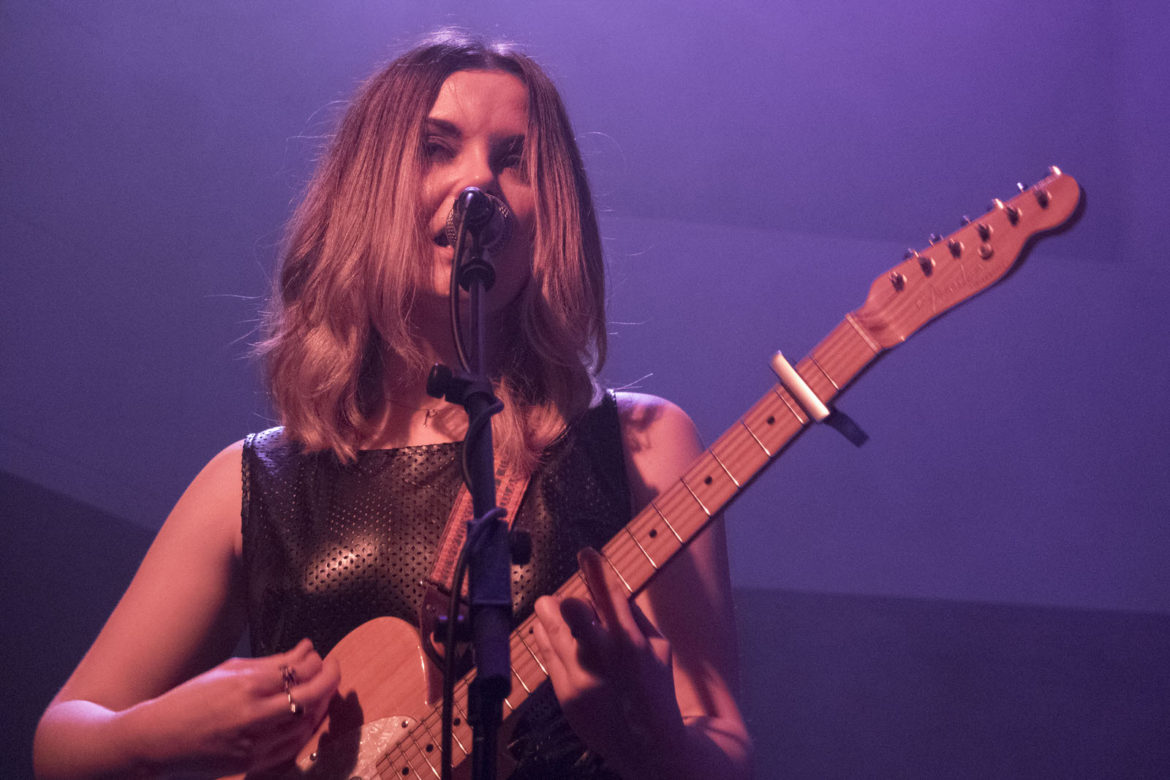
<point x="952" y="269"/>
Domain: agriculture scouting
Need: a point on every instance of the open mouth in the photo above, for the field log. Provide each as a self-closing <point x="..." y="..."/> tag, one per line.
<point x="440" y="238"/>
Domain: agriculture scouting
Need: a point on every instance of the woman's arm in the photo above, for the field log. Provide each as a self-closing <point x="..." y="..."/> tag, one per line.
<point x="143" y="699"/>
<point x="652" y="687"/>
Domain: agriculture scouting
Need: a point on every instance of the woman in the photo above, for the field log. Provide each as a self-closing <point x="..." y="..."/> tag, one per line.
<point x="343" y="505"/>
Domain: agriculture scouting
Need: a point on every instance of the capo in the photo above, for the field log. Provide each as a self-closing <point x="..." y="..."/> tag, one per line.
<point x="816" y="408"/>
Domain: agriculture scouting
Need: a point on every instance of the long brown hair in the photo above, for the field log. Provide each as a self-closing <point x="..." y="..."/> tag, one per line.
<point x="357" y="250"/>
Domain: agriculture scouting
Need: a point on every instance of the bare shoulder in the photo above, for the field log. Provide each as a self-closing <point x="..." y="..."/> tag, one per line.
<point x="205" y="521"/>
<point x="206" y="517"/>
<point x="223" y="471"/>
<point x="218" y="487"/>
<point x="660" y="442"/>
<point x="642" y="414"/>
<point x="215" y="495"/>
<point x="648" y="421"/>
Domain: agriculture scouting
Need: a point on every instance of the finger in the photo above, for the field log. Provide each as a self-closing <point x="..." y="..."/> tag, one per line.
<point x="559" y="637"/>
<point x="299" y="685"/>
<point x="298" y="652"/>
<point x="274" y="716"/>
<point x="302" y="660"/>
<point x="659" y="644"/>
<point x="643" y="622"/>
<point x="308" y="667"/>
<point x="315" y="693"/>
<point x="277" y="720"/>
<point x="593" y="641"/>
<point x="307" y="700"/>
<point x="610" y="597"/>
<point x="549" y="656"/>
<point x="580" y="617"/>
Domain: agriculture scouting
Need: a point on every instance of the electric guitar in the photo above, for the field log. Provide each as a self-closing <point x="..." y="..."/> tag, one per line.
<point x="382" y="722"/>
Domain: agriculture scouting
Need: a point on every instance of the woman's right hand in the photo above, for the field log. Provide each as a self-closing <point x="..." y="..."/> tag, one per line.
<point x="235" y="717"/>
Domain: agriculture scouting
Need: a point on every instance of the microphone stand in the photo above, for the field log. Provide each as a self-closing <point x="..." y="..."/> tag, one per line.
<point x="486" y="549"/>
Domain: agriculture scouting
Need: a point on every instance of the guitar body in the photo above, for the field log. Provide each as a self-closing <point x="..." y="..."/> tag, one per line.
<point x="386" y="686"/>
<point x="383" y="683"/>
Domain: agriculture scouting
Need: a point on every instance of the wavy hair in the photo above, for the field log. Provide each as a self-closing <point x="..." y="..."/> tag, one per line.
<point x="339" y="324"/>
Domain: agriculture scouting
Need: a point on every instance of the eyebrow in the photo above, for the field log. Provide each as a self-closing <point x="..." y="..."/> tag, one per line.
<point x="443" y="127"/>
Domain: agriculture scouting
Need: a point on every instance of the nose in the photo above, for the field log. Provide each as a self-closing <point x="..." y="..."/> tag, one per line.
<point x="476" y="170"/>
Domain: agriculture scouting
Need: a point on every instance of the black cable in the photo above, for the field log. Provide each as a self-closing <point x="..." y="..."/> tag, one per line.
<point x="453" y="293"/>
<point x="475" y="531"/>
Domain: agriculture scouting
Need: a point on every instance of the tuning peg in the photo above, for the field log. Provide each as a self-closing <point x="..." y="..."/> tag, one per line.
<point x="964" y="220"/>
<point x="955" y="246"/>
<point x="935" y="238"/>
<point x="897" y="280"/>
<point x="1020" y="186"/>
<point x="924" y="262"/>
<point x="1041" y="196"/>
<point x="984" y="231"/>
<point x="1054" y="171"/>
<point x="1013" y="213"/>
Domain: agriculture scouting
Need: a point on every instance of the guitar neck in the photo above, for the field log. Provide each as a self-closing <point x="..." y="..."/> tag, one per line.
<point x="716" y="478"/>
<point x="734" y="460"/>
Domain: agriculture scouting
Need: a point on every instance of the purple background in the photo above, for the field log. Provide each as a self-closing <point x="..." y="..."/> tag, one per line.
<point x="757" y="165"/>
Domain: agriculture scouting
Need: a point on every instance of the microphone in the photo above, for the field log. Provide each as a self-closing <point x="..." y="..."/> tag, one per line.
<point x="482" y="215"/>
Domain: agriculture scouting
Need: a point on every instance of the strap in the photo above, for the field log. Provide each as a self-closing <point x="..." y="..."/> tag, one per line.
<point x="510" y="489"/>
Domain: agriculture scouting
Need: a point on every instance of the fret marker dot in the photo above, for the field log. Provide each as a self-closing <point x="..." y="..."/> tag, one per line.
<point x="653" y="532"/>
<point x="770" y="420"/>
<point x="707" y="481"/>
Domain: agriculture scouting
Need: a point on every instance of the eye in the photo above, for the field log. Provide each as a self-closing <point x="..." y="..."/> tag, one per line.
<point x="511" y="156"/>
<point x="437" y="149"/>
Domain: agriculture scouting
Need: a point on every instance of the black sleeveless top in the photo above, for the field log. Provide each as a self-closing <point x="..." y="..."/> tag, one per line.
<point x="328" y="546"/>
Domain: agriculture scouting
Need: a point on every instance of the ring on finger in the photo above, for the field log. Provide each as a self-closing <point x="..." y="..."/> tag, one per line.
<point x="289" y="678"/>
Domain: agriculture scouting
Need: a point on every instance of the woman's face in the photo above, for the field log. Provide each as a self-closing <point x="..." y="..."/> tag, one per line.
<point x="474" y="135"/>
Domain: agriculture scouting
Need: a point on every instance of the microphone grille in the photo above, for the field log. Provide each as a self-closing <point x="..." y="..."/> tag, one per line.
<point x="489" y="213"/>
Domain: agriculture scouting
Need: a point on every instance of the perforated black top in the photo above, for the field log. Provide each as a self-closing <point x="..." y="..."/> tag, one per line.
<point x="329" y="546"/>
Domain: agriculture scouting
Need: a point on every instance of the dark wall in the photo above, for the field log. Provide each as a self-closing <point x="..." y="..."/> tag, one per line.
<point x="849" y="686"/>
<point x="64" y="566"/>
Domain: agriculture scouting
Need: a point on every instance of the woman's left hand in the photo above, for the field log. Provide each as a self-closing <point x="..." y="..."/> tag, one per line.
<point x="611" y="671"/>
